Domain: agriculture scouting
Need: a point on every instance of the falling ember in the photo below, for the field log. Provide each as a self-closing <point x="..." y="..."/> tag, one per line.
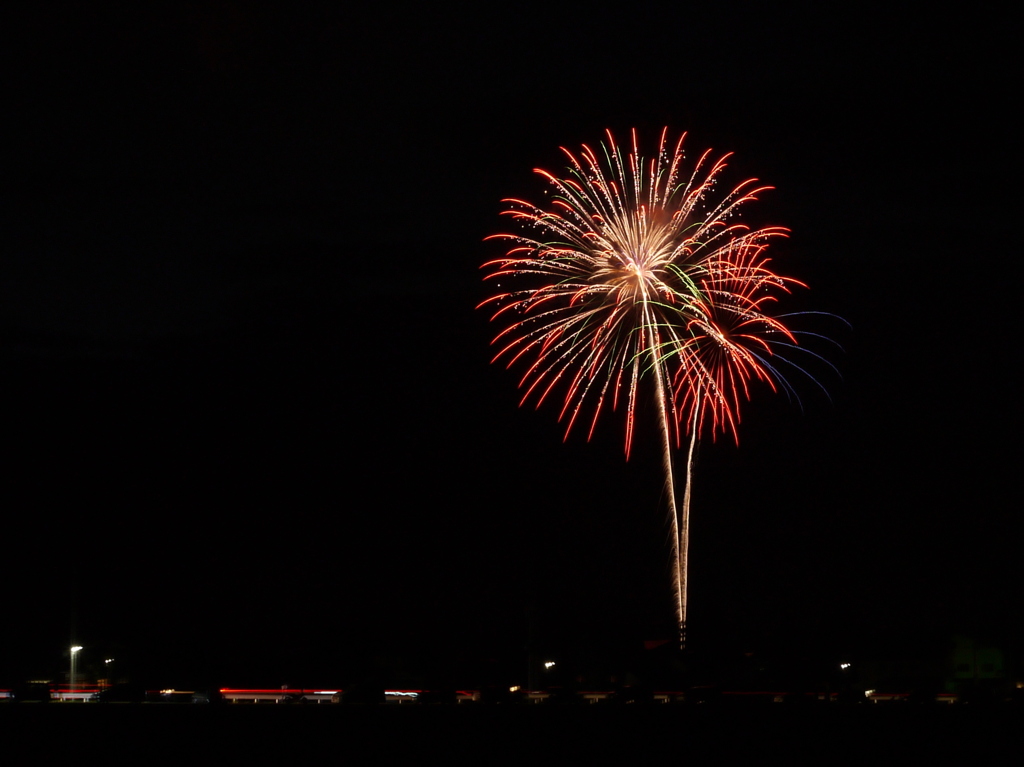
<point x="638" y="271"/>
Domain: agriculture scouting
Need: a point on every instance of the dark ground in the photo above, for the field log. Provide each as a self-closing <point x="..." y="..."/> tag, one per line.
<point x="536" y="734"/>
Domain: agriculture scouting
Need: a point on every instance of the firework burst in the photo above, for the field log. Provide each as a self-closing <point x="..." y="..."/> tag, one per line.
<point x="638" y="272"/>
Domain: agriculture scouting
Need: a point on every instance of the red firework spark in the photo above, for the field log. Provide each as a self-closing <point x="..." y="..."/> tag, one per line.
<point x="639" y="269"/>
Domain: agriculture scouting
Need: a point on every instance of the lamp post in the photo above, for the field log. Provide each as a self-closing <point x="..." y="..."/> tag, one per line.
<point x="74" y="656"/>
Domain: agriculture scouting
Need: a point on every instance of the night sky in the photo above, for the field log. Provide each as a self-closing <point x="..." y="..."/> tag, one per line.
<point x="250" y="428"/>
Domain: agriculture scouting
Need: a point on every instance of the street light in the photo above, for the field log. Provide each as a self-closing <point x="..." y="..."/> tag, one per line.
<point x="74" y="654"/>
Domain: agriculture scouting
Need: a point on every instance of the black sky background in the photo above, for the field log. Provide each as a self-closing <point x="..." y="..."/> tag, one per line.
<point x="250" y="428"/>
